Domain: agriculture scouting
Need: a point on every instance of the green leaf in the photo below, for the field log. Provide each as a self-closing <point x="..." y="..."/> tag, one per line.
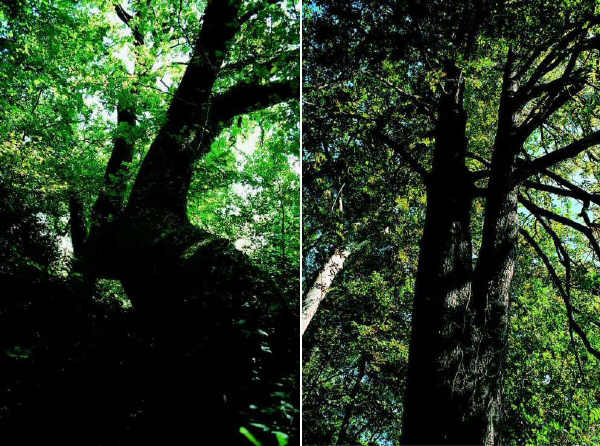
<point x="282" y="438"/>
<point x="251" y="438"/>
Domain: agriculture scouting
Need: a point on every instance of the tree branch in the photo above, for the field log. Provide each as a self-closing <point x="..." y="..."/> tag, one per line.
<point x="419" y="102"/>
<point x="264" y="63"/>
<point x="536" y="210"/>
<point x="573" y="325"/>
<point x="579" y="194"/>
<point x="126" y="19"/>
<point x="246" y="98"/>
<point x="554" y="57"/>
<point x="253" y="11"/>
<point x="594" y="198"/>
<point x="399" y="149"/>
<point x="551" y="104"/>
<point x="557" y="156"/>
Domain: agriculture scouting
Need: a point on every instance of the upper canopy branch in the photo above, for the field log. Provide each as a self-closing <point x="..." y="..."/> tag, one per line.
<point x="551" y="88"/>
<point x="568" y="47"/>
<point x="565" y="259"/>
<point x="552" y="95"/>
<point x="585" y="195"/>
<point x="549" y="104"/>
<point x="554" y="190"/>
<point x="401" y="150"/>
<point x="255" y="10"/>
<point x="574" y="192"/>
<point x="257" y="60"/>
<point x="417" y="100"/>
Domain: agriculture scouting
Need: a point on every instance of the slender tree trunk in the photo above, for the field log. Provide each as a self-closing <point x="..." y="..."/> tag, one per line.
<point x="111" y="198"/>
<point x="81" y="275"/>
<point x="77" y="225"/>
<point x="98" y="252"/>
<point x="434" y="406"/>
<point x="316" y="294"/>
<point x="109" y="203"/>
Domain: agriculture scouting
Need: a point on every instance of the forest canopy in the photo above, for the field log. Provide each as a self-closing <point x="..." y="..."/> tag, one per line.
<point x="471" y="127"/>
<point x="149" y="175"/>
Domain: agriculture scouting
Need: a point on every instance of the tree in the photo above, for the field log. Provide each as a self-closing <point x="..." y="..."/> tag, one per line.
<point x="229" y="64"/>
<point x="425" y="76"/>
<point x="317" y="293"/>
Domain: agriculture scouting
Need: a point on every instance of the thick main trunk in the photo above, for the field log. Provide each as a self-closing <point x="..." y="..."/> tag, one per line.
<point x="189" y="308"/>
<point x="188" y="289"/>
<point x="159" y="195"/>
<point x="460" y="320"/>
<point x="154" y="229"/>
<point x="479" y="381"/>
<point x="434" y="406"/>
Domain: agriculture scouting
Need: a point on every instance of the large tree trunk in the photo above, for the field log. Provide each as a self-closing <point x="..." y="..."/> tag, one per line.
<point x="189" y="288"/>
<point x="153" y="232"/>
<point x="434" y="407"/>
<point x="489" y="328"/>
<point x="460" y="319"/>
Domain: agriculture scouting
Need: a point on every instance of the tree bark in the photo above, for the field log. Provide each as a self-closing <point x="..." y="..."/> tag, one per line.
<point x="460" y="319"/>
<point x="314" y="297"/>
<point x="494" y="270"/>
<point x="434" y="406"/>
